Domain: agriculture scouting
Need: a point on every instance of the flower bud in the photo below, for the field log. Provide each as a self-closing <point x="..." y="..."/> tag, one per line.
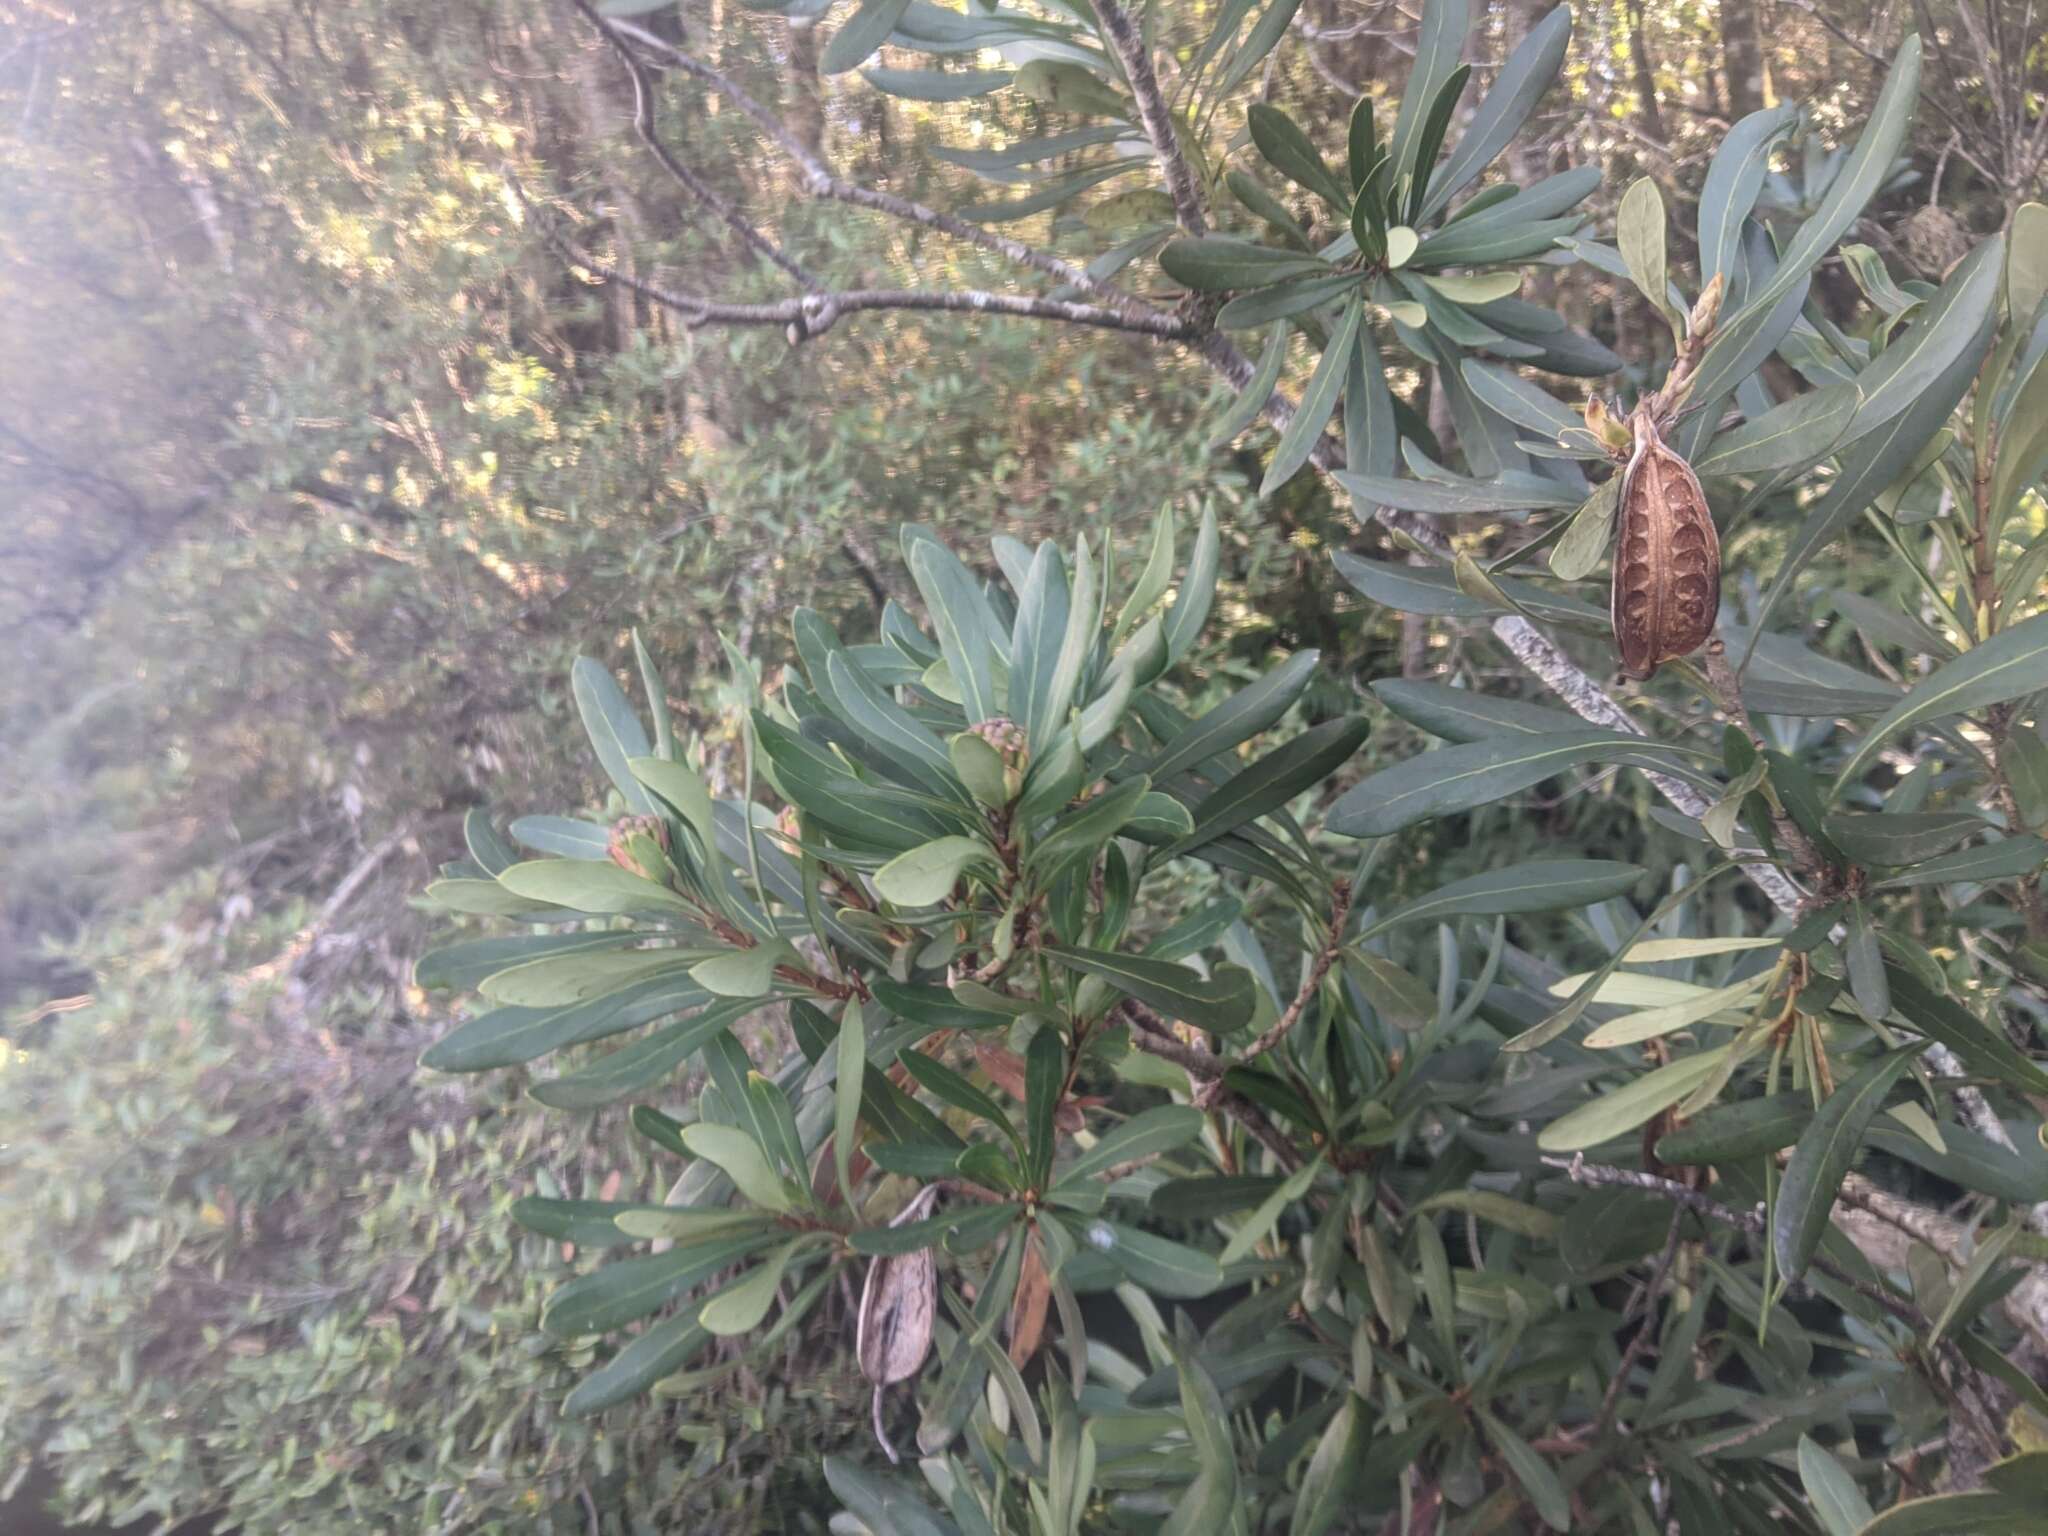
<point x="1708" y="308"/>
<point x="1009" y="740"/>
<point x="639" y="845"/>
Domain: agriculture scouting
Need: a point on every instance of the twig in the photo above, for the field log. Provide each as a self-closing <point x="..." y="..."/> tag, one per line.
<point x="1153" y="113"/>
<point x="1612" y="1400"/>
<point x="1333" y="941"/>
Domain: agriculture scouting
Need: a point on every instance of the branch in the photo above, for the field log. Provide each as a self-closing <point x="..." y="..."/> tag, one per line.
<point x="1333" y="941"/>
<point x="1123" y="37"/>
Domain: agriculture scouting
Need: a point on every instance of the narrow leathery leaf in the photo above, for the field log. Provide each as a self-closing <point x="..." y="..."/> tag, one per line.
<point x="743" y="972"/>
<point x="1831" y="1491"/>
<point x="1153" y="579"/>
<point x="1537" y="1477"/>
<point x="1456" y="496"/>
<point x="1251" y="402"/>
<point x="1735" y="1133"/>
<point x="1655" y="1023"/>
<point x="1079" y="834"/>
<point x="941" y="1080"/>
<point x="1981" y="1271"/>
<point x="851" y="1064"/>
<point x="1294" y="155"/>
<point x="1268" y="784"/>
<point x="1236" y="720"/>
<point x="1798" y="432"/>
<point x="2006" y="859"/>
<point x="1223" y="1003"/>
<point x="740" y="1307"/>
<point x="685" y="790"/>
<point x="1070" y="87"/>
<point x="629" y="1289"/>
<point x="1430" y="139"/>
<point x="959" y="615"/>
<point x="743" y="1161"/>
<point x="1264" y="36"/>
<point x="856" y="41"/>
<point x="462" y="967"/>
<point x="881" y="1503"/>
<point x="614" y="729"/>
<point x="1438" y="46"/>
<point x="1657" y="951"/>
<point x="1474" y="773"/>
<point x="1667" y="558"/>
<point x="647" y="1060"/>
<point x="1639" y="229"/>
<point x="1334" y="1468"/>
<point x="937" y="84"/>
<point x="1733" y="181"/>
<point x="1521" y="82"/>
<point x="1519" y="401"/>
<point x="1362" y="148"/>
<point x="1629" y="1107"/>
<point x="1502" y="1210"/>
<point x="1395" y="995"/>
<point x="1983" y="1047"/>
<point x="684" y="1224"/>
<point x="507" y="1037"/>
<point x="1983" y="1513"/>
<point x="1146" y="1134"/>
<point x="1865" y="962"/>
<point x="486" y="844"/>
<point x="660" y="1351"/>
<point x="591" y="1223"/>
<point x="1541" y="885"/>
<point x="1225" y="264"/>
<point x="1267" y="1216"/>
<point x="925" y="876"/>
<point x="553" y="981"/>
<point x="587" y="885"/>
<point x="2011" y="663"/>
<point x="1822" y="1158"/>
<point x="1283" y="301"/>
<point x="1045" y="1064"/>
<point x="1159" y="1265"/>
<point x="1465" y="714"/>
<point x="1190" y="611"/>
<point x="1318" y="402"/>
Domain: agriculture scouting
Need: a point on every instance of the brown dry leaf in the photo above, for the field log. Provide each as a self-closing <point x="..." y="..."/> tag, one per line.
<point x="1667" y="559"/>
<point x="1027" y="1311"/>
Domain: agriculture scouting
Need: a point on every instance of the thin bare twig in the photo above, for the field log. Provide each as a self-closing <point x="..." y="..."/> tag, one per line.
<point x="1333" y="941"/>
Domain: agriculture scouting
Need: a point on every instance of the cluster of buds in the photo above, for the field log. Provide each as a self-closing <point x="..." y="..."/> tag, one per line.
<point x="991" y="758"/>
<point x="639" y="845"/>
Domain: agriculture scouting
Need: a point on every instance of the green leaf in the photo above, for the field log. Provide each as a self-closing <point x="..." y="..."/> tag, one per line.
<point x="1158" y="1265"/>
<point x="1541" y="885"/>
<point x="461" y="967"/>
<point x="856" y="42"/>
<point x="1438" y="46"/>
<point x="959" y="616"/>
<point x="2010" y="664"/>
<point x="935" y="1077"/>
<point x="614" y="730"/>
<point x="1191" y="604"/>
<point x="684" y="790"/>
<point x="629" y="1289"/>
<point x="1222" y="263"/>
<point x="586" y="1223"/>
<point x="1396" y="996"/>
<point x="1275" y="779"/>
<point x="1267" y="1216"/>
<point x="1734" y="1133"/>
<point x="1521" y="402"/>
<point x="1798" y="432"/>
<point x="1503" y="1211"/>
<point x="2006" y="859"/>
<point x="743" y="972"/>
<point x="1865" y="963"/>
<point x="1538" y="1479"/>
<point x="925" y="876"/>
<point x="1456" y="496"/>
<point x="881" y="1504"/>
<point x="1045" y="1069"/>
<point x="1291" y="152"/>
<point x="1655" y="1023"/>
<point x="1464" y="714"/>
<point x="1079" y="834"/>
<point x="587" y="885"/>
<point x="1982" y="1047"/>
<point x="937" y="84"/>
<point x="1733" y="181"/>
<point x="1523" y="79"/>
<point x="1035" y="642"/>
<point x="1402" y="244"/>
<point x="554" y="981"/>
<point x="1831" y="1491"/>
<point x="1639" y="236"/>
<point x="1318" y="402"/>
<point x="1822" y="1158"/>
<point x="1590" y="535"/>
<point x="1222" y="1004"/>
<point x="1630" y="1106"/>
<point x="1236" y="720"/>
<point x="743" y="1161"/>
<point x="1251" y="403"/>
<point x="691" y="1223"/>
<point x="1162" y="1128"/>
<point x="660" y="1351"/>
<point x="740" y="1307"/>
<point x="1458" y="778"/>
<point x="1329" y="1483"/>
<point x="507" y="1037"/>
<point x="1430" y="139"/>
<point x="648" y="1060"/>
<point x="1951" y="1514"/>
<point x="851" y="1064"/>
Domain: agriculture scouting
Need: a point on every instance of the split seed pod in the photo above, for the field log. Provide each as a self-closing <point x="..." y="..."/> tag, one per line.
<point x="1667" y="561"/>
<point x="896" y="1307"/>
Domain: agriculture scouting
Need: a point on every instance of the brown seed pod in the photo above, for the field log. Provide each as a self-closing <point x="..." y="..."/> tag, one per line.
<point x="896" y="1306"/>
<point x="1667" y="558"/>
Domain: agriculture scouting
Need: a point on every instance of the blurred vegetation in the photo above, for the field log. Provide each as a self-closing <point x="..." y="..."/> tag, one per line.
<point x="319" y="463"/>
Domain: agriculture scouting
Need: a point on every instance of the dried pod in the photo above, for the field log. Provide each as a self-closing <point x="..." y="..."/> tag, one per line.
<point x="1667" y="562"/>
<point x="896" y="1307"/>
